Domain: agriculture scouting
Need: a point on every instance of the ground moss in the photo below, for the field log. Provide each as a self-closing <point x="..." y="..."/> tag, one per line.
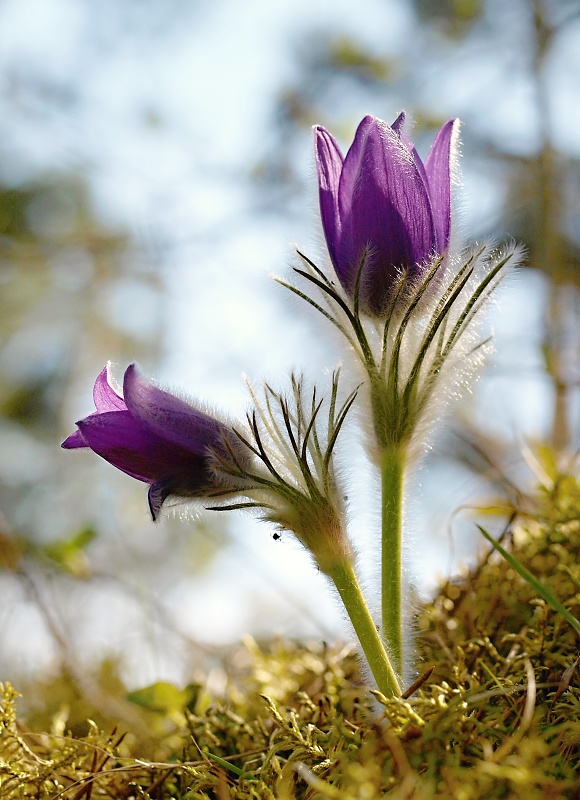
<point x="499" y="716"/>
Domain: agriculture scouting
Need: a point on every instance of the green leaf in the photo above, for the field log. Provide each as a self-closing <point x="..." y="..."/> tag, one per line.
<point x="69" y="553"/>
<point x="226" y="765"/>
<point x="163" y="697"/>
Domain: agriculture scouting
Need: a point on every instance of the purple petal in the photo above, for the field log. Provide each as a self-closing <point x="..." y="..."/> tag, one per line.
<point x="130" y="446"/>
<point x="156" y="496"/>
<point x="127" y="444"/>
<point x="347" y="268"/>
<point x="197" y="484"/>
<point x="390" y="212"/>
<point x="351" y="167"/>
<point x="168" y="416"/>
<point x="105" y="397"/>
<point x="398" y="124"/>
<point x="73" y="441"/>
<point x="437" y="166"/>
<point x="329" y="162"/>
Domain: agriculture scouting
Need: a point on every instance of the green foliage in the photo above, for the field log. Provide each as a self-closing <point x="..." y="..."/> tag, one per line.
<point x="497" y="718"/>
<point x="69" y="553"/>
<point x="163" y="697"/>
<point x="455" y="17"/>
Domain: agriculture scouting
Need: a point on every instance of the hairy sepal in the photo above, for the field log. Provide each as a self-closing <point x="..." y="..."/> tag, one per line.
<point x="430" y="348"/>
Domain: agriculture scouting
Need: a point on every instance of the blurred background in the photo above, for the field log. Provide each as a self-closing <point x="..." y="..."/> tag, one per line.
<point x="155" y="166"/>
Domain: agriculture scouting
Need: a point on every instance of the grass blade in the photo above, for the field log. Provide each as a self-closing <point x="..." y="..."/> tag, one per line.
<point x="534" y="582"/>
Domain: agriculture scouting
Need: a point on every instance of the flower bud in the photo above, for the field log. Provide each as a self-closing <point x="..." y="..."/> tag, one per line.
<point x="383" y="210"/>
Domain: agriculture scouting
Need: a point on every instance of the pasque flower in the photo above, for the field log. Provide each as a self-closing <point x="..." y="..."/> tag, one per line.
<point x="281" y="464"/>
<point x="381" y="203"/>
<point x="413" y="308"/>
<point x="157" y="438"/>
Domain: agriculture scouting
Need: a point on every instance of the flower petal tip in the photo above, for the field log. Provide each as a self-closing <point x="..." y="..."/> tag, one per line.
<point x="74" y="441"/>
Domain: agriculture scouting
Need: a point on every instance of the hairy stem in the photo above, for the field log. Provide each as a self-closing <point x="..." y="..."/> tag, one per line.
<point x="345" y="580"/>
<point x="392" y="475"/>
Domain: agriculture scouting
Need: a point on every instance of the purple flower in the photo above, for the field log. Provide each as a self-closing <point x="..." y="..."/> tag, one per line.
<point x="157" y="438"/>
<point x="383" y="201"/>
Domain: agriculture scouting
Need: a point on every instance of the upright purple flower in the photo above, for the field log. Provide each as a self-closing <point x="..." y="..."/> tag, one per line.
<point x="382" y="203"/>
<point x="156" y="438"/>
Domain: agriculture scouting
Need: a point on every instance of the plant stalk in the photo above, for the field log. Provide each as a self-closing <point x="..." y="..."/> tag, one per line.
<point x="345" y="580"/>
<point x="392" y="476"/>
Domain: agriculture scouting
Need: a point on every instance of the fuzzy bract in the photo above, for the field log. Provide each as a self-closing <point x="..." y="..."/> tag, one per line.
<point x="383" y="209"/>
<point x="156" y="438"/>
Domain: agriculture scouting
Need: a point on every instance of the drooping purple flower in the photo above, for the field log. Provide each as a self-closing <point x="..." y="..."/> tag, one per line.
<point x="156" y="438"/>
<point x="382" y="203"/>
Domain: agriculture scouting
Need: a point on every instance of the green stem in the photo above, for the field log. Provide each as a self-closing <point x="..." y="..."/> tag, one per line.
<point x="392" y="474"/>
<point x="346" y="582"/>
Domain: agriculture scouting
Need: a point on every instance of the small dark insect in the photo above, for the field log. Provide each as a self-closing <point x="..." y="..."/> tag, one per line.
<point x="276" y="536"/>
